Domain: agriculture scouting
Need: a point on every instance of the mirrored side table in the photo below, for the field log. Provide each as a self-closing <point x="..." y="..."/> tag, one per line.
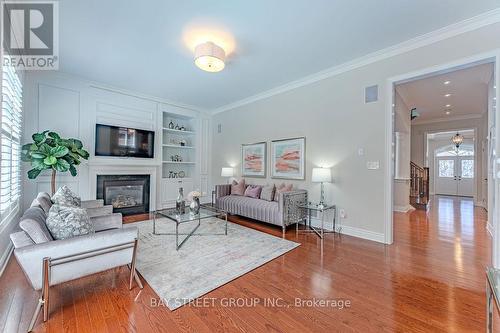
<point x="318" y="209"/>
<point x="492" y="292"/>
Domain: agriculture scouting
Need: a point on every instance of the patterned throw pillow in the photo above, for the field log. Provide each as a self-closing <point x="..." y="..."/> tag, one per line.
<point x="238" y="188"/>
<point x="66" y="222"/>
<point x="267" y="192"/>
<point x="65" y="197"/>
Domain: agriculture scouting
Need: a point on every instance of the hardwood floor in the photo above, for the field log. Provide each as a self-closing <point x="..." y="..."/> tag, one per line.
<point x="430" y="280"/>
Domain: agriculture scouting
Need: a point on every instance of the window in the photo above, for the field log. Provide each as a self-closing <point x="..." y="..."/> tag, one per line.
<point x="10" y="141"/>
<point x="467" y="168"/>
<point x="446" y="168"/>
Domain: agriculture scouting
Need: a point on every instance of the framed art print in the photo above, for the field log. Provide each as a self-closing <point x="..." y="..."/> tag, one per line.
<point x="253" y="160"/>
<point x="288" y="158"/>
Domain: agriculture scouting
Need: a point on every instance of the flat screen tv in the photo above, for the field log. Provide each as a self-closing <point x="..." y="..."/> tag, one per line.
<point x="124" y="142"/>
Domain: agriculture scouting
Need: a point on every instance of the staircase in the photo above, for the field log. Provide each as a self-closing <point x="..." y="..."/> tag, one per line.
<point x="419" y="186"/>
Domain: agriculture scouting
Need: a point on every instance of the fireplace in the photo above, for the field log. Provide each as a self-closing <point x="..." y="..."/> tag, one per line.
<point x="128" y="194"/>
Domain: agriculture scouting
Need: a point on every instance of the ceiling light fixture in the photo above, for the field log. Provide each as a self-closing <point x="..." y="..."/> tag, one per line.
<point x="447" y="95"/>
<point x="448" y="105"/>
<point x="448" y="112"/>
<point x="446" y="83"/>
<point x="457" y="140"/>
<point x="209" y="57"/>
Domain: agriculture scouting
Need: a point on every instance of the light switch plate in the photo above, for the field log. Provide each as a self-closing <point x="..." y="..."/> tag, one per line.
<point x="361" y="151"/>
<point x="373" y="165"/>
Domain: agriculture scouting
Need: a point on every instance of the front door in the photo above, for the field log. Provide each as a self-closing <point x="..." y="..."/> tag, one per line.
<point x="455" y="175"/>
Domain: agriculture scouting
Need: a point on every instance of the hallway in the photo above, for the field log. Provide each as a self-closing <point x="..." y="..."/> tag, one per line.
<point x="448" y="250"/>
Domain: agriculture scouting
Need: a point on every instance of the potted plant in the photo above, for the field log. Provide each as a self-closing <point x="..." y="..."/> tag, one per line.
<point x="49" y="151"/>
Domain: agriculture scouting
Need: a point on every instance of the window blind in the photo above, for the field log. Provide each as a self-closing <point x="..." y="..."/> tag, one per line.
<point x="10" y="140"/>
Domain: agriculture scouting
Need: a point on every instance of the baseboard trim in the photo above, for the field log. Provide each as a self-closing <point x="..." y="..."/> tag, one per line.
<point x="403" y="209"/>
<point x="362" y="233"/>
<point x="489" y="227"/>
<point x="348" y="230"/>
<point x="5" y="258"/>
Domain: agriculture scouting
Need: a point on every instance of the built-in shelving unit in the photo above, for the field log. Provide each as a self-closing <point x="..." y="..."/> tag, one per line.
<point x="178" y="162"/>
<point x="178" y="146"/>
<point x="176" y="131"/>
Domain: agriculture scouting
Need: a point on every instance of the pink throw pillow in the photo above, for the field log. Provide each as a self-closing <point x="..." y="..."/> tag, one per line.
<point x="238" y="188"/>
<point x="280" y="189"/>
<point x="253" y="191"/>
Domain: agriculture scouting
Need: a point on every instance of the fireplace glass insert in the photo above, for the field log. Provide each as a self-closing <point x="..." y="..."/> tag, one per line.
<point x="128" y="194"/>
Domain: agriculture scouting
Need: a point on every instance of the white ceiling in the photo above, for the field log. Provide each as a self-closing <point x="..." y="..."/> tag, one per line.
<point x="144" y="45"/>
<point x="468" y="89"/>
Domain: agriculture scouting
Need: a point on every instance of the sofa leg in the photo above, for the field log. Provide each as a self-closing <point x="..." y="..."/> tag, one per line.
<point x="45" y="288"/>
<point x="138" y="280"/>
<point x="284" y="230"/>
<point x="35" y="315"/>
<point x="132" y="265"/>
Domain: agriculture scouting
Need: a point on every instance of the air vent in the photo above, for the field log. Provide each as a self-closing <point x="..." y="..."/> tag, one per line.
<point x="371" y="94"/>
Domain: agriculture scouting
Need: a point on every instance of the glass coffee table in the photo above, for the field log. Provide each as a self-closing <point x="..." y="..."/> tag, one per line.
<point x="172" y="215"/>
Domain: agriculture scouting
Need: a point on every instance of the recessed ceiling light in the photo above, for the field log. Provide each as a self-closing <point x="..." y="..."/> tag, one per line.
<point x="447" y="95"/>
<point x="448" y="105"/>
<point x="446" y="82"/>
<point x="447" y="112"/>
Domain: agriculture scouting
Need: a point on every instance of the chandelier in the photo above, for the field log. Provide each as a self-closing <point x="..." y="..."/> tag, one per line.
<point x="457" y="140"/>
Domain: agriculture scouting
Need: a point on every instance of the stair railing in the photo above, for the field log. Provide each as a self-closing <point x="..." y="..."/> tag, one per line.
<point x="419" y="181"/>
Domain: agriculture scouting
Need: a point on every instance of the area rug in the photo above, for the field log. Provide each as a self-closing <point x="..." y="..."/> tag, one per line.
<point x="206" y="261"/>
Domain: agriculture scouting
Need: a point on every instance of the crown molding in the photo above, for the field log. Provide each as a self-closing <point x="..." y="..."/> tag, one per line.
<point x="449" y="31"/>
<point x="447" y="119"/>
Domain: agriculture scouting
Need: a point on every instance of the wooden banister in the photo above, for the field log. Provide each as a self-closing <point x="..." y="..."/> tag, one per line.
<point x="419" y="181"/>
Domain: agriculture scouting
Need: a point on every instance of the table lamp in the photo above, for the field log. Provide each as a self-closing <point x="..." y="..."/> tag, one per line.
<point x="321" y="175"/>
<point x="227" y="172"/>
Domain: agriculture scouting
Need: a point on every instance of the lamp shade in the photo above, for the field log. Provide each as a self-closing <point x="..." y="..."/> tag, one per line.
<point x="209" y="57"/>
<point x="226" y="172"/>
<point x="321" y="175"/>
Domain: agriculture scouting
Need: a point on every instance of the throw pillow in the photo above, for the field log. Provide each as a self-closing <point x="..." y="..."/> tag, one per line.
<point x="238" y="188"/>
<point x="280" y="189"/>
<point x="253" y="191"/>
<point x="65" y="197"/>
<point x="66" y="222"/>
<point x="33" y="224"/>
<point x="42" y="200"/>
<point x="267" y="192"/>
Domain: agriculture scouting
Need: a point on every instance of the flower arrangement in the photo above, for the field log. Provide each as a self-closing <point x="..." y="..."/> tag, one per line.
<point x="193" y="194"/>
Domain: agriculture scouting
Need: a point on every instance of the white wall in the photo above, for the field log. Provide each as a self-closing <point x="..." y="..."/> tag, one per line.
<point x="72" y="106"/>
<point x="332" y="115"/>
<point x="419" y="148"/>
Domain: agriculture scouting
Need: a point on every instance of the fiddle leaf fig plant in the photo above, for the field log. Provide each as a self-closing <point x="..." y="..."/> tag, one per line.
<point x="49" y="151"/>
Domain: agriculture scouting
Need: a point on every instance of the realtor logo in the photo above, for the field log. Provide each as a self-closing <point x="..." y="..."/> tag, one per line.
<point x="30" y="34"/>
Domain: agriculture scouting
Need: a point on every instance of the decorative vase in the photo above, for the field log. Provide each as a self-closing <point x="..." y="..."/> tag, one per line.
<point x="195" y="205"/>
<point x="171" y="125"/>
